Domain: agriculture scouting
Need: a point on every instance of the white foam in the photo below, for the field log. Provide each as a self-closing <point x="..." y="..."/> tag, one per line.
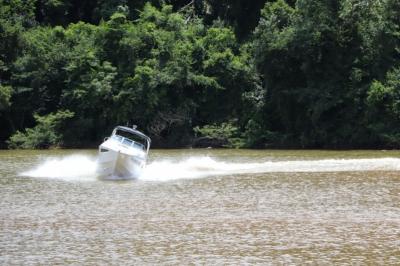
<point x="71" y="168"/>
<point x="206" y="166"/>
<point x="83" y="168"/>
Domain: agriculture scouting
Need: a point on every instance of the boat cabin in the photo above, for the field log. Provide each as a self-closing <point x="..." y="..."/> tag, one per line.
<point x="131" y="137"/>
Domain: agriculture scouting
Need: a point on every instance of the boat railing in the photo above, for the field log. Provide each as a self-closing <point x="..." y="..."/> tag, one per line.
<point x="128" y="142"/>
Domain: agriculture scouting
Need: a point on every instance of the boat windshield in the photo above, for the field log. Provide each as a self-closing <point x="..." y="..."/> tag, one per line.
<point x="130" y="139"/>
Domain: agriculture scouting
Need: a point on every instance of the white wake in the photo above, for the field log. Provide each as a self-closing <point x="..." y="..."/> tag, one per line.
<point x="83" y="168"/>
<point x="70" y="168"/>
<point x="206" y="166"/>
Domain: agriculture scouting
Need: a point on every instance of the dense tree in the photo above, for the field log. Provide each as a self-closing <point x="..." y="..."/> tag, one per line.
<point x="318" y="60"/>
<point x="302" y="73"/>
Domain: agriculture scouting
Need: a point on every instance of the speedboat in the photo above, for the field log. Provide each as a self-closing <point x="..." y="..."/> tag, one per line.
<point x="123" y="155"/>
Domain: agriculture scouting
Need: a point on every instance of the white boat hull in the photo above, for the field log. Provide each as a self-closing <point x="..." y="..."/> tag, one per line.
<point x="116" y="165"/>
<point x="116" y="161"/>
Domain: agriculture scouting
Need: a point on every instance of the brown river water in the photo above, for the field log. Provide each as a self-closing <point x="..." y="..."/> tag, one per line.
<point x="202" y="207"/>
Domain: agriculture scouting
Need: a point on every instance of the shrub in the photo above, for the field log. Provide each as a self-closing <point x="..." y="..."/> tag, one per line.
<point x="221" y="135"/>
<point x="47" y="133"/>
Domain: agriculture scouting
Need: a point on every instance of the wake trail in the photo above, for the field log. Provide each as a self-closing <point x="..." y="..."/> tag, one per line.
<point x="206" y="166"/>
<point x="70" y="168"/>
<point x="83" y="168"/>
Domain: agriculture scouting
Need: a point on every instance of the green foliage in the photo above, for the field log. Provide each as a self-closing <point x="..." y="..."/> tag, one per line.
<point x="310" y="74"/>
<point x="318" y="59"/>
<point x="47" y="133"/>
<point x="5" y="96"/>
<point x="225" y="134"/>
<point x="379" y="95"/>
<point x="14" y="11"/>
<point x="383" y="100"/>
